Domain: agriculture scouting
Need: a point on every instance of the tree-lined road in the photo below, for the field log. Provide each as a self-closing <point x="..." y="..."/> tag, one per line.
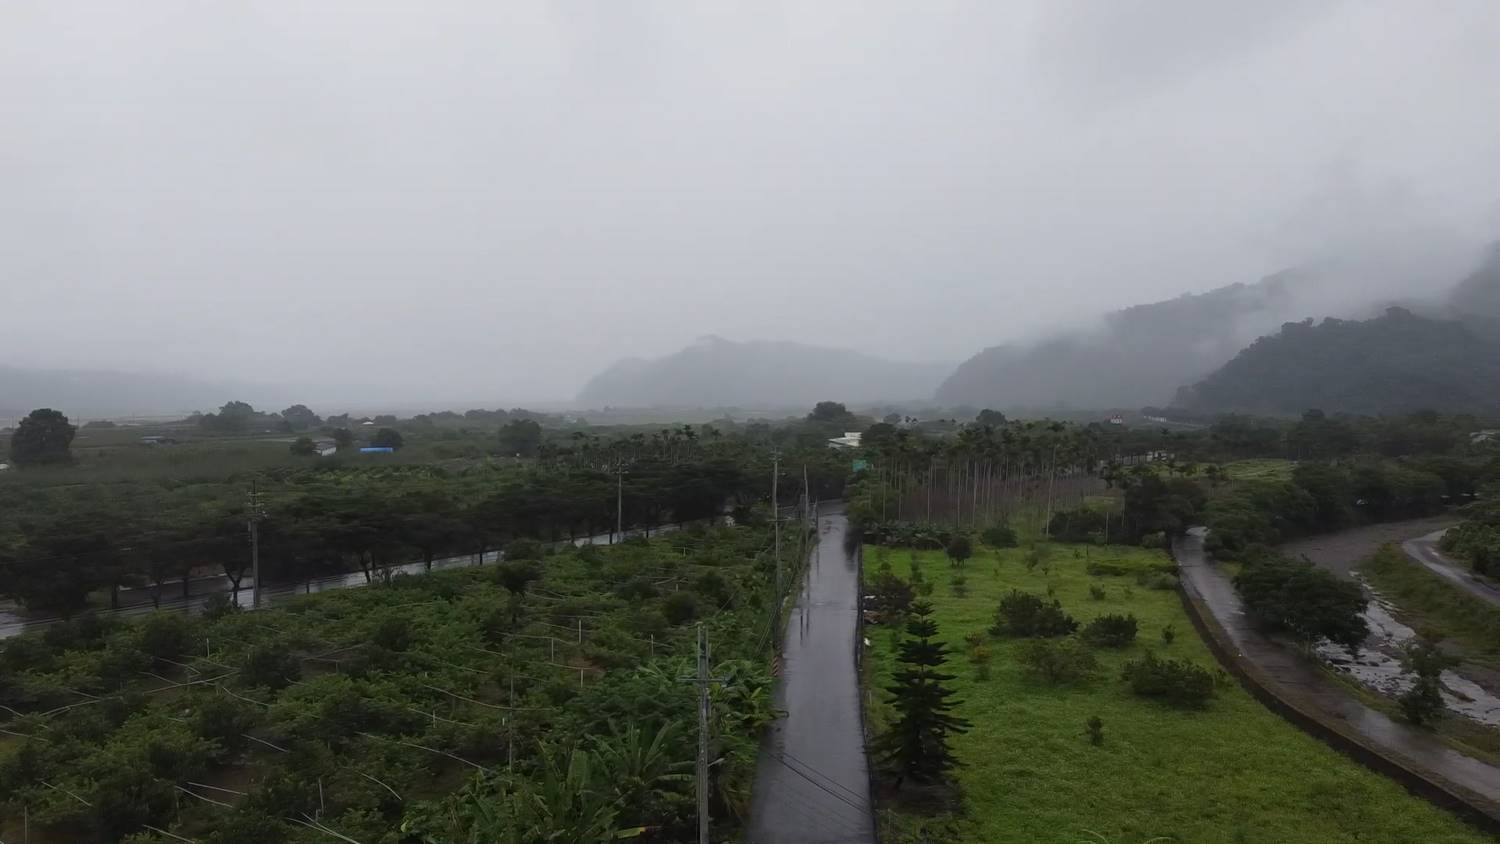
<point x="15" y="620"/>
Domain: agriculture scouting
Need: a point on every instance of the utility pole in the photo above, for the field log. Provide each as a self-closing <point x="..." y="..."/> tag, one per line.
<point x="806" y="498"/>
<point x="776" y="527"/>
<point x="256" y="514"/>
<point x="619" y="502"/>
<point x="702" y="680"/>
<point x="702" y="736"/>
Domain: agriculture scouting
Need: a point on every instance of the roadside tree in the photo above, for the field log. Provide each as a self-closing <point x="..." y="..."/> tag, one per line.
<point x="44" y="437"/>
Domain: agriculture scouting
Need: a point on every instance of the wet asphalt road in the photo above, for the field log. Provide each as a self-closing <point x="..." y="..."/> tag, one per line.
<point x="1302" y="682"/>
<point x="1424" y="549"/>
<point x="812" y="785"/>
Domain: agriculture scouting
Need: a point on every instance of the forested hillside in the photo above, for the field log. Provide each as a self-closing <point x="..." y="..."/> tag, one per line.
<point x="1476" y="299"/>
<point x="1139" y="356"/>
<point x="1396" y="362"/>
<point x="714" y="372"/>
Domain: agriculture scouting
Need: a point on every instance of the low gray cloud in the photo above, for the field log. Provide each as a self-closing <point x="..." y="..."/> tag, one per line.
<point x="493" y="201"/>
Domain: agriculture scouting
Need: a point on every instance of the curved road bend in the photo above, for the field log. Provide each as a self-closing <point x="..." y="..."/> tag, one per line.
<point x="1424" y="549"/>
<point x="812" y="785"/>
<point x="1301" y="681"/>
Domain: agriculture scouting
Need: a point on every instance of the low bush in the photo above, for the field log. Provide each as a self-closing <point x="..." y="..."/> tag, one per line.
<point x="1157" y="580"/>
<point x="1000" y="536"/>
<point x="218" y="606"/>
<point x="1115" y="568"/>
<point x="1111" y="631"/>
<point x="1058" y="661"/>
<point x="959" y="549"/>
<point x="1081" y="525"/>
<point x="1095" y="728"/>
<point x="525" y="549"/>
<point x="981" y="657"/>
<point x="679" y="608"/>
<point x="392" y="633"/>
<point x="270" y="666"/>
<point x="908" y="535"/>
<point x="1023" y="614"/>
<point x="1174" y="681"/>
<point x="890" y="595"/>
<point x="165" y="634"/>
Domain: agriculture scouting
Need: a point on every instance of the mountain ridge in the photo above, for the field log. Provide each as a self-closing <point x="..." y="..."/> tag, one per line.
<point x="1445" y="358"/>
<point x="715" y="372"/>
<point x="1138" y="354"/>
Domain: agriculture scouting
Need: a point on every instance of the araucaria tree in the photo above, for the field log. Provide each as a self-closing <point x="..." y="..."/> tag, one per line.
<point x="916" y="746"/>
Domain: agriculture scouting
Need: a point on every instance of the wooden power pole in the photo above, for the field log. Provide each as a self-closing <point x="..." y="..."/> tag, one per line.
<point x="256" y="514"/>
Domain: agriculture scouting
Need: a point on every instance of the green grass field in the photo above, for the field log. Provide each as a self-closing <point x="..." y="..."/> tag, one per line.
<point x="1232" y="773"/>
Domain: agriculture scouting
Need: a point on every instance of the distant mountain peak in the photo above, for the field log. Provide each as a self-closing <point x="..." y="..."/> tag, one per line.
<point x="1138" y="356"/>
<point x="714" y="372"/>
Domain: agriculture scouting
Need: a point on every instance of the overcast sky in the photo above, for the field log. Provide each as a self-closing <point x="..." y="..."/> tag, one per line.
<point x="494" y="200"/>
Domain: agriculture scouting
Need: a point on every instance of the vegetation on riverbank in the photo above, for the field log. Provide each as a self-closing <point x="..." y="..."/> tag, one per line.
<point x="1230" y="772"/>
<point x="1431" y="604"/>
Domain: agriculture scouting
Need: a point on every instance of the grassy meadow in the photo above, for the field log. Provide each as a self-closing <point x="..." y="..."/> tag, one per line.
<point x="1232" y="773"/>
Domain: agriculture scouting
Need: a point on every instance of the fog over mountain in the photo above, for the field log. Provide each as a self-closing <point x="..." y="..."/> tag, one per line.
<point x="1136" y="356"/>
<point x="714" y="372"/>
<point x="1142" y="354"/>
<point x="1446" y="358"/>
<point x="102" y="393"/>
<point x="490" y="203"/>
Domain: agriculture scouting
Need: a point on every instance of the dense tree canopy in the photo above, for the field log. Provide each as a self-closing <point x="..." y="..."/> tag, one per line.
<point x="1399" y="362"/>
<point x="45" y="436"/>
<point x="299" y="418"/>
<point x="387" y="438"/>
<point x="521" y="437"/>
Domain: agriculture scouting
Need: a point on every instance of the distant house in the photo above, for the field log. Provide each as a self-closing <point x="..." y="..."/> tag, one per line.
<point x="377" y="450"/>
<point x="850" y="439"/>
<point x="326" y="448"/>
<point x="158" y="441"/>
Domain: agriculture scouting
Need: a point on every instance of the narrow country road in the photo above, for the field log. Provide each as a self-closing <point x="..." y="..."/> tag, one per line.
<point x="812" y="785"/>
<point x="1302" y="682"/>
<point x="1424" y="549"/>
